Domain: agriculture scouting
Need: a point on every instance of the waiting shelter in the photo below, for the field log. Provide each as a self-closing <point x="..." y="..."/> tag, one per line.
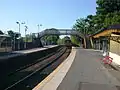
<point x="108" y="40"/>
<point x="5" y="43"/>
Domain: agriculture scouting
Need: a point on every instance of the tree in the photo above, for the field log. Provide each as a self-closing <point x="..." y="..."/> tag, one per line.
<point x="28" y="38"/>
<point x="108" y="12"/>
<point x="107" y="6"/>
<point x="1" y="32"/>
<point x="86" y="26"/>
<point x="60" y="41"/>
<point x="52" y="39"/>
<point x="112" y="18"/>
<point x="13" y="34"/>
<point x="80" y="26"/>
<point x="75" y="40"/>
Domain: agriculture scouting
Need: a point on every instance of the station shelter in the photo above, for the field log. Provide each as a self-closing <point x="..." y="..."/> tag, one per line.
<point x="108" y="40"/>
<point x="5" y="43"/>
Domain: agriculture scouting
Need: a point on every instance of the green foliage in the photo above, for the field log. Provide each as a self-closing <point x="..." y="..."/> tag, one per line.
<point x="80" y="26"/>
<point x="60" y="41"/>
<point x="85" y="25"/>
<point x="51" y="38"/>
<point x="1" y="32"/>
<point x="107" y="6"/>
<point x="28" y="38"/>
<point x="13" y="34"/>
<point x="108" y="13"/>
<point x="112" y="18"/>
<point x="75" y="40"/>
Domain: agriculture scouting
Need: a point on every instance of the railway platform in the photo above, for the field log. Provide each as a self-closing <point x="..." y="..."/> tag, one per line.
<point x="82" y="70"/>
<point x="21" y="52"/>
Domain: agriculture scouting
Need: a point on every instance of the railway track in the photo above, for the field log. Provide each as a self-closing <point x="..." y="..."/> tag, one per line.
<point x="25" y="78"/>
<point x="39" y="60"/>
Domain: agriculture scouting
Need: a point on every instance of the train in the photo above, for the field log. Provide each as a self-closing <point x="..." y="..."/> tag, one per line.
<point x="68" y="43"/>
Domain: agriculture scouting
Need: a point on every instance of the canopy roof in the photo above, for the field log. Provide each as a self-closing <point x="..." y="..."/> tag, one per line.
<point x="4" y="35"/>
<point x="107" y="31"/>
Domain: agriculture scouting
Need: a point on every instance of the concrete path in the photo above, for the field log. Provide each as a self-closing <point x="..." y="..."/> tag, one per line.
<point x="87" y="73"/>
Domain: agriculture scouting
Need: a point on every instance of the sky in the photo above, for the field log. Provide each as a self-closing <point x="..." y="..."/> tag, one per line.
<point x="49" y="13"/>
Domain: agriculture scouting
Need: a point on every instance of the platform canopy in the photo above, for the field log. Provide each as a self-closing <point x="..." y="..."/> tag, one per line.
<point x="3" y="37"/>
<point x="112" y="32"/>
<point x="113" y="29"/>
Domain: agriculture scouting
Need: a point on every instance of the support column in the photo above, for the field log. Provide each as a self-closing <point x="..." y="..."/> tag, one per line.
<point x="84" y="42"/>
<point x="81" y="43"/>
<point x="99" y="43"/>
<point x="103" y="45"/>
<point x="40" y="43"/>
<point x="91" y="42"/>
<point x="96" y="44"/>
<point x="105" y="50"/>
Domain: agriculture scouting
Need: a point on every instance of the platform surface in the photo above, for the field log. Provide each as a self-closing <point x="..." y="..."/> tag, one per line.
<point x="87" y="73"/>
<point x="82" y="70"/>
<point x="20" y="52"/>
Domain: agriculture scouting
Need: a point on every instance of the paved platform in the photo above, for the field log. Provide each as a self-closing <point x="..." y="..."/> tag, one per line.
<point x="85" y="73"/>
<point x="34" y="49"/>
<point x="21" y="52"/>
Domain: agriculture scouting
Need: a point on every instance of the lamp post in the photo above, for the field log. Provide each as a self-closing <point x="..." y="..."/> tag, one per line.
<point x="19" y="25"/>
<point x="14" y="41"/>
<point x="39" y="25"/>
<point x="20" y="35"/>
<point x="26" y="27"/>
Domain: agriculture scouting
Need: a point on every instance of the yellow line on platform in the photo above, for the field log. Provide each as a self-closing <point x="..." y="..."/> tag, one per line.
<point x="49" y="77"/>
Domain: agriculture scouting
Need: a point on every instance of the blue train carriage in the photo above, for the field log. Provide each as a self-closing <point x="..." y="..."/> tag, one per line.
<point x="5" y="43"/>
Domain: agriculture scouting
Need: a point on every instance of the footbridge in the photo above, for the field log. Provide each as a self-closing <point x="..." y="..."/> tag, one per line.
<point x="53" y="31"/>
<point x="58" y="32"/>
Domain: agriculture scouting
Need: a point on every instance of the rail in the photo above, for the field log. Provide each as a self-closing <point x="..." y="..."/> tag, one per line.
<point x="38" y="66"/>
